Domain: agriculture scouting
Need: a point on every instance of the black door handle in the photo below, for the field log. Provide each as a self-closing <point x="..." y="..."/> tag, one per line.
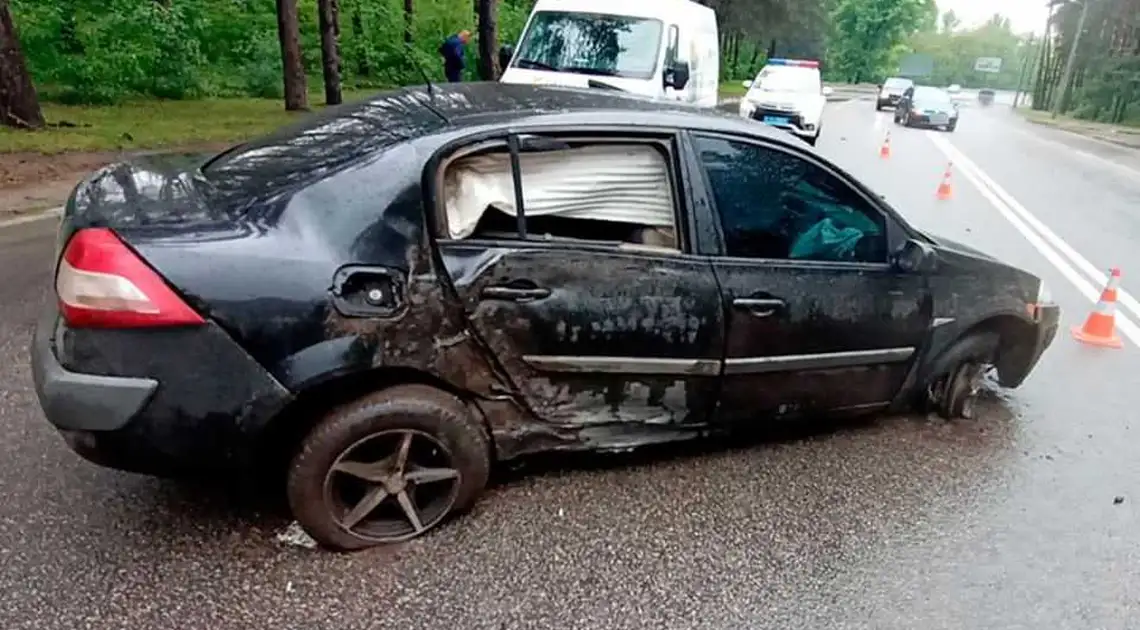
<point x="760" y="307"/>
<point x="514" y="293"/>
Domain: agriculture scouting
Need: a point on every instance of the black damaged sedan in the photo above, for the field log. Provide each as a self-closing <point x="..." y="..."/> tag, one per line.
<point x="929" y="107"/>
<point x="396" y="294"/>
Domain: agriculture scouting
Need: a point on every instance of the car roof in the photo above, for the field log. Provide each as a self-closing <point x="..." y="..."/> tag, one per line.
<point x="489" y="103"/>
<point x="339" y="136"/>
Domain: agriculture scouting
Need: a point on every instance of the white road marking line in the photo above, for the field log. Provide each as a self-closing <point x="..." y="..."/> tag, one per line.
<point x="39" y="216"/>
<point x="1090" y="270"/>
<point x="1040" y="236"/>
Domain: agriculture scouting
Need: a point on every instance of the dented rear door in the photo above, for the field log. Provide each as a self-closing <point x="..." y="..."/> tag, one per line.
<point x="597" y="338"/>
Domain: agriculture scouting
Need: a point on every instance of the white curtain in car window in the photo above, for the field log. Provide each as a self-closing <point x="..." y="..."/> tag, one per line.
<point x="625" y="183"/>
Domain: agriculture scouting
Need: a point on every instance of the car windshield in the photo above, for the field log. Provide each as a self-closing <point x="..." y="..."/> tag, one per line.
<point x="897" y="83"/>
<point x="787" y="79"/>
<point x="591" y="43"/>
<point x="932" y="97"/>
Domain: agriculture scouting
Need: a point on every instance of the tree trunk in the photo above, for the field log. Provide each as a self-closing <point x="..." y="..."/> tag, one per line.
<point x="289" y="32"/>
<point x="19" y="103"/>
<point x="358" y="37"/>
<point x="409" y="19"/>
<point x="328" y="22"/>
<point x="69" y="29"/>
<point x="755" y="61"/>
<point x="488" y="39"/>
<point x="732" y="56"/>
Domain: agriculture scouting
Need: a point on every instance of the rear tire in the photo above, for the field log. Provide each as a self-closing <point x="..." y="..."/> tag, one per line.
<point x="413" y="453"/>
<point x="954" y="390"/>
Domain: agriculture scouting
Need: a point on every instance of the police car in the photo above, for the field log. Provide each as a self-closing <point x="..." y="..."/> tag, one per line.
<point x="789" y="94"/>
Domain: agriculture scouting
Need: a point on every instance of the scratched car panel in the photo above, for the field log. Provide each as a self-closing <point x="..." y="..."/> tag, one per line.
<point x="499" y="271"/>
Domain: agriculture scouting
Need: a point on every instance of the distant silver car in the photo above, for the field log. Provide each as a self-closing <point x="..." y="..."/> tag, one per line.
<point x="925" y="106"/>
<point x="891" y="91"/>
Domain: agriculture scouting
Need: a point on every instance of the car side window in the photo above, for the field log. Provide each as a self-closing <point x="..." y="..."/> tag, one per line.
<point x="617" y="192"/>
<point x="775" y="205"/>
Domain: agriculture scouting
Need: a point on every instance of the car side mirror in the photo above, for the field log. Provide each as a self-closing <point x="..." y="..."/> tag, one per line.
<point x="747" y="84"/>
<point x="915" y="257"/>
<point x="827" y="91"/>
<point x="506" y="53"/>
<point x="677" y="76"/>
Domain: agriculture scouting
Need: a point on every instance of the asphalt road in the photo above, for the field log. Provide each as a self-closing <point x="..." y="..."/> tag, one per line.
<point x="1008" y="521"/>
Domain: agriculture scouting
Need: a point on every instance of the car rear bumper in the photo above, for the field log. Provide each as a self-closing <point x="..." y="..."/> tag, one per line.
<point x="83" y="402"/>
<point x="925" y="121"/>
<point x="160" y="402"/>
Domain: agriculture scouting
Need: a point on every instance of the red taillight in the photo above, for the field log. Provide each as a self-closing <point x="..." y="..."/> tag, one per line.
<point x="101" y="283"/>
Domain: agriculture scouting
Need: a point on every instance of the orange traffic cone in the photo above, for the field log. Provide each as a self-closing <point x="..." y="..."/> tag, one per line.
<point x="946" y="189"/>
<point x="1100" y="327"/>
<point x="885" y="150"/>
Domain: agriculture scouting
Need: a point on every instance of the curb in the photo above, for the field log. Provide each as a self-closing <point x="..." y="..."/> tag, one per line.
<point x="1092" y="136"/>
<point x="32" y="217"/>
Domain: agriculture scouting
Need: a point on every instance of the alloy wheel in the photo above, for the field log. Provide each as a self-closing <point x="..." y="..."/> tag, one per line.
<point x="392" y="485"/>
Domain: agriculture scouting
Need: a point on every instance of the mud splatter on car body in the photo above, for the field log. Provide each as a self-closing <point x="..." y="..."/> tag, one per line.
<point x="317" y="258"/>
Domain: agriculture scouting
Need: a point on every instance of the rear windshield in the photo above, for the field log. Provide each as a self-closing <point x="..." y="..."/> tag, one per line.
<point x="934" y="96"/>
<point x="898" y="83"/>
<point x="317" y="145"/>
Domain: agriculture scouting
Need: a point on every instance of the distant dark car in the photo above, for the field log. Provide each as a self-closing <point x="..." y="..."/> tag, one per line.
<point x="986" y="97"/>
<point x="925" y="106"/>
<point x="395" y="294"/>
<point x="891" y="91"/>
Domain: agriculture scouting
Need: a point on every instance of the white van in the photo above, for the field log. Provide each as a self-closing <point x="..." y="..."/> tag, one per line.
<point x="659" y="48"/>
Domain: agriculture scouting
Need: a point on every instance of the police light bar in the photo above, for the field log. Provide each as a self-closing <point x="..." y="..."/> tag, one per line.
<point x="802" y="63"/>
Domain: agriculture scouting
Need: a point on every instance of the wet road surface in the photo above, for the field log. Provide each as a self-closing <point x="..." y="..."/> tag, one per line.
<point x="1007" y="521"/>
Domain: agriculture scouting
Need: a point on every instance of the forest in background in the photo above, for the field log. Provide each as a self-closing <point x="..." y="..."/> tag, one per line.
<point x="108" y="51"/>
<point x="308" y="51"/>
<point x="1104" y="84"/>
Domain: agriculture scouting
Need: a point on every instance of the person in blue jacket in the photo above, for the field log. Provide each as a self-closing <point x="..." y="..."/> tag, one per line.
<point x="453" y="50"/>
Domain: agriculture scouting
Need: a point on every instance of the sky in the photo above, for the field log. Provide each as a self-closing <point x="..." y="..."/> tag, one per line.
<point x="1025" y="15"/>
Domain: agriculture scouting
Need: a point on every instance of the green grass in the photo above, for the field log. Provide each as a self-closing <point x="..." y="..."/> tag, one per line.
<point x="732" y="89"/>
<point x="150" y="124"/>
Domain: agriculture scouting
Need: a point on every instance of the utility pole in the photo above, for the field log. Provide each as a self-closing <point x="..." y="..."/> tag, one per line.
<point x="1025" y="63"/>
<point x="1068" y="74"/>
<point x="1039" y="87"/>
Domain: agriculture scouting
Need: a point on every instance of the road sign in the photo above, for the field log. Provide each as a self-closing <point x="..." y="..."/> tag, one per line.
<point x="988" y="64"/>
<point x="916" y="65"/>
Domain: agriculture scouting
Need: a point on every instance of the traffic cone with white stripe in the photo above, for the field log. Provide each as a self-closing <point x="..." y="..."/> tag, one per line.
<point x="885" y="150"/>
<point x="1100" y="327"/>
<point x="945" y="190"/>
